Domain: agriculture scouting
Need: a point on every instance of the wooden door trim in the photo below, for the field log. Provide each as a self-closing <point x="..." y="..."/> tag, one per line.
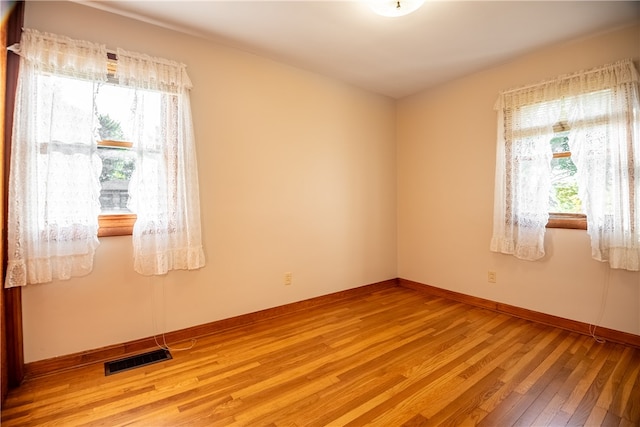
<point x="12" y="297"/>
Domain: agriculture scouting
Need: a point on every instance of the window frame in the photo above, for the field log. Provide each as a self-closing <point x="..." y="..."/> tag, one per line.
<point x="116" y="224"/>
<point x="567" y="220"/>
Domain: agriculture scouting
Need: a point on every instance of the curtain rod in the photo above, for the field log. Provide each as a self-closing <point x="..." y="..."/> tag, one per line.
<point x="567" y="76"/>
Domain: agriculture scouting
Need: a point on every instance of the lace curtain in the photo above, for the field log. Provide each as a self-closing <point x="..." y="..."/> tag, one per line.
<point x="53" y="187"/>
<point x="602" y="109"/>
<point x="523" y="174"/>
<point x="164" y="187"/>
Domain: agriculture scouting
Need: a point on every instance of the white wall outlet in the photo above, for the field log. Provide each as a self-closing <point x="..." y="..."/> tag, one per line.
<point x="288" y="278"/>
<point x="492" y="277"/>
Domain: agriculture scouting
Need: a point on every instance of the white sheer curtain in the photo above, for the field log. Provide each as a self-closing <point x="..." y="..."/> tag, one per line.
<point x="164" y="191"/>
<point x="53" y="187"/>
<point x="523" y="178"/>
<point x="602" y="109"/>
<point x="605" y="130"/>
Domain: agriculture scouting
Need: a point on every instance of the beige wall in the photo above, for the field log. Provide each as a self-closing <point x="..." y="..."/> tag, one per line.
<point x="446" y="162"/>
<point x="297" y="174"/>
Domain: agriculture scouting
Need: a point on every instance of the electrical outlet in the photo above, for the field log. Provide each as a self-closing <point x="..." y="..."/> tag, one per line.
<point x="288" y="278"/>
<point x="492" y="276"/>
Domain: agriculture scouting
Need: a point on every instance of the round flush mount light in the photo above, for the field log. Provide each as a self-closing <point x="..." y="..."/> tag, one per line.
<point x="394" y="8"/>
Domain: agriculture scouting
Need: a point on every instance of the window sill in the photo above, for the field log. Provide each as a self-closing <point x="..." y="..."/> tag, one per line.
<point x="116" y="225"/>
<point x="565" y="220"/>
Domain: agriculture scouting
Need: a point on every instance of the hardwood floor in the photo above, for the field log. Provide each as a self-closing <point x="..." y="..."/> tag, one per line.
<point x="388" y="358"/>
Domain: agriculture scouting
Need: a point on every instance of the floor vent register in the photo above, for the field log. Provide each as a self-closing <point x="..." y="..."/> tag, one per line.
<point x="132" y="362"/>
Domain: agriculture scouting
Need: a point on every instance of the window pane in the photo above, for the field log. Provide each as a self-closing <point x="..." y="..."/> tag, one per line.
<point x="128" y="115"/>
<point x="114" y="105"/>
<point x="564" y="187"/>
<point x="560" y="144"/>
<point x="64" y="111"/>
<point x="563" y="197"/>
<point x="117" y="166"/>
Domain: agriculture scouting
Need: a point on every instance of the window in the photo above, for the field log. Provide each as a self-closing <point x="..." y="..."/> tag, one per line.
<point x="552" y="171"/>
<point x="88" y="146"/>
<point x="114" y="129"/>
<point x="115" y="114"/>
<point x="565" y="205"/>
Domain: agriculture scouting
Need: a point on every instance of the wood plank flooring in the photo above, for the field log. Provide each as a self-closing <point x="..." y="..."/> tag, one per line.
<point x="393" y="357"/>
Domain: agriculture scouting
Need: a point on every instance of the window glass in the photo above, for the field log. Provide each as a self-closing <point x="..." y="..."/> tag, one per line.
<point x="563" y="197"/>
<point x="125" y="117"/>
<point x="63" y="109"/>
<point x="118" y="165"/>
<point x="113" y="108"/>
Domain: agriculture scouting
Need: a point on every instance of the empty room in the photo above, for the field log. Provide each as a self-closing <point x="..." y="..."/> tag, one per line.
<point x="321" y="213"/>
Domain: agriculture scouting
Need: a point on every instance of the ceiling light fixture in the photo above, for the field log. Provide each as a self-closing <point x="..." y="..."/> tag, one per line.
<point x="394" y="8"/>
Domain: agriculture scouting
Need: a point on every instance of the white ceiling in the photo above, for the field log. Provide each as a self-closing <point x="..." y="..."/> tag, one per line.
<point x="396" y="57"/>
